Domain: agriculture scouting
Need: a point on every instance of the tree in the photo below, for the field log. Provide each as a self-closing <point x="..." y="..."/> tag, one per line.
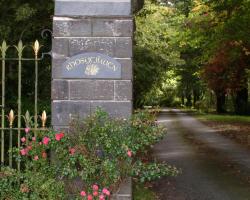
<point x="219" y="33"/>
<point x="25" y="19"/>
<point x="155" y="52"/>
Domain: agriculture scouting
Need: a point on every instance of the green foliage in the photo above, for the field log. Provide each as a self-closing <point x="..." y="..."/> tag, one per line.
<point x="224" y="118"/>
<point x="141" y="192"/>
<point x="163" y="35"/>
<point x="219" y="30"/>
<point x="30" y="185"/>
<point x="98" y="150"/>
<point x="213" y="40"/>
<point x="155" y="51"/>
<point x="152" y="171"/>
<point x="24" y="12"/>
<point x="25" y="20"/>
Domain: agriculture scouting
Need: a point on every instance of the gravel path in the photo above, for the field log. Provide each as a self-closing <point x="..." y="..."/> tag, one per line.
<point x="213" y="167"/>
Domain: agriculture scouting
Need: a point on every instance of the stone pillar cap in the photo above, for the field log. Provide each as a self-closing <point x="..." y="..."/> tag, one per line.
<point x="93" y="7"/>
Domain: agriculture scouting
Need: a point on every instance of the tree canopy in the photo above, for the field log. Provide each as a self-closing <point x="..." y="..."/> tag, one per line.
<point x="24" y="19"/>
<point x="210" y="40"/>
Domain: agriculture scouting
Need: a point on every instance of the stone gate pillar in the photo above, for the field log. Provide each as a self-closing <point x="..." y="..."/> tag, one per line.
<point x="92" y="59"/>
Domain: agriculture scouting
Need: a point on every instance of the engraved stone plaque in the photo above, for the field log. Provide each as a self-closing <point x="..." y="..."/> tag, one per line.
<point x="91" y="66"/>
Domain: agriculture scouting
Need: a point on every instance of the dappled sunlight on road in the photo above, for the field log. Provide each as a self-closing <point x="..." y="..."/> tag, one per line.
<point x="164" y="121"/>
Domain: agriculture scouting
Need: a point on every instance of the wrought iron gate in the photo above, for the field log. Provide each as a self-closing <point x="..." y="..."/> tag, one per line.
<point x="15" y="123"/>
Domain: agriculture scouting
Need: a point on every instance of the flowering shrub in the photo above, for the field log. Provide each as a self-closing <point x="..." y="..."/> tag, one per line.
<point x="96" y="155"/>
<point x="29" y="184"/>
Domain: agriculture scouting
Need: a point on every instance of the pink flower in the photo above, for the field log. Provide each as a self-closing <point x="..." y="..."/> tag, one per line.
<point x="129" y="153"/>
<point x="23" y="139"/>
<point x="29" y="147"/>
<point x="101" y="197"/>
<point x="27" y="130"/>
<point x="36" y="157"/>
<point x="46" y="140"/>
<point x="72" y="151"/>
<point x="95" y="187"/>
<point x="83" y="193"/>
<point x="90" y="197"/>
<point x="23" y="152"/>
<point x="59" y="136"/>
<point x="44" y="155"/>
<point x="33" y="138"/>
<point x="95" y="193"/>
<point x="106" y="191"/>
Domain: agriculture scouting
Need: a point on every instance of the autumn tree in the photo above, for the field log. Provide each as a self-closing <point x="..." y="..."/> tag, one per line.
<point x="218" y="31"/>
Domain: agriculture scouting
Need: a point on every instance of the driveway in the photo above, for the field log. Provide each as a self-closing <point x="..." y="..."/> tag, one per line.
<point x="213" y="167"/>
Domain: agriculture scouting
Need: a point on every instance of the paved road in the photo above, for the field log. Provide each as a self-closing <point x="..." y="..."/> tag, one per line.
<point x="213" y="167"/>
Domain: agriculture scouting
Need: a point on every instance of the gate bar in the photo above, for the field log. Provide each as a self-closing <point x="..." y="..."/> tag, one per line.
<point x="3" y="50"/>
<point x="36" y="49"/>
<point x="20" y="48"/>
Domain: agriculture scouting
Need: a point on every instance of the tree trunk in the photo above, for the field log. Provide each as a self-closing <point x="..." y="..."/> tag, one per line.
<point x="189" y="100"/>
<point x="196" y="96"/>
<point x="182" y="99"/>
<point x="241" y="101"/>
<point x="221" y="102"/>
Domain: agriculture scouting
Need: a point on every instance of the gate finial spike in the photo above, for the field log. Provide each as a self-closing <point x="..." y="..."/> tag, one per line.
<point x="36" y="47"/>
<point x="27" y="118"/>
<point x="4" y="48"/>
<point x="20" y="47"/>
<point x="44" y="118"/>
<point x="11" y="117"/>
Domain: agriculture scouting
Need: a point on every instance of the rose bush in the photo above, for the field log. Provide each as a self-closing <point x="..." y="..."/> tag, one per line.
<point x="95" y="156"/>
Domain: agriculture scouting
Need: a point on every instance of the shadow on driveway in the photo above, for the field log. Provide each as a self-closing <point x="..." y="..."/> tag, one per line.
<point x="213" y="167"/>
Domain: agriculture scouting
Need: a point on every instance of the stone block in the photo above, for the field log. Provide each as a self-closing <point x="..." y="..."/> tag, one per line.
<point x="112" y="27"/>
<point x="123" y="48"/>
<point x="70" y="27"/>
<point x="114" y="47"/>
<point x="92" y="90"/>
<point x="92" y="7"/>
<point x="61" y="28"/>
<point x="96" y="44"/>
<point x="60" y="48"/>
<point x="125" y="191"/>
<point x="64" y="111"/>
<point x="60" y="90"/>
<point x="127" y="69"/>
<point x="123" y="90"/>
<point x="124" y="28"/>
<point x="57" y="67"/>
<point x="114" y="108"/>
<point x="64" y="129"/>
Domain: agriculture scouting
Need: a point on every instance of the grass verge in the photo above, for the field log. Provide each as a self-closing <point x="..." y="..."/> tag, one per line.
<point x="140" y="192"/>
<point x="224" y="118"/>
<point x="213" y="117"/>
